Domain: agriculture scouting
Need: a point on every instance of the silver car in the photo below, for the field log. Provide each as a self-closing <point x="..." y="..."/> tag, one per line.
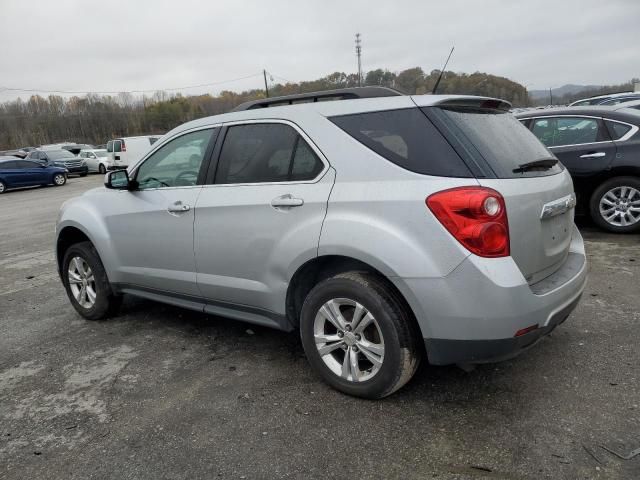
<point x="384" y="229"/>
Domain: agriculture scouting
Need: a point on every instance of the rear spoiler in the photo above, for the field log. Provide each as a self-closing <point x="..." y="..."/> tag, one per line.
<point x="473" y="102"/>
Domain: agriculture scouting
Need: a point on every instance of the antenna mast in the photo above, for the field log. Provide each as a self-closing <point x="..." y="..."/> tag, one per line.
<point x="435" y="88"/>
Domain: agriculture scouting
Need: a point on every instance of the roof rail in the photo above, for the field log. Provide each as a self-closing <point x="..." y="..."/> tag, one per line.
<point x="338" y="94"/>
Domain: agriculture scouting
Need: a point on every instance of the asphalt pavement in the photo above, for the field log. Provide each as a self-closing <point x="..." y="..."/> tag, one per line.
<point x="165" y="393"/>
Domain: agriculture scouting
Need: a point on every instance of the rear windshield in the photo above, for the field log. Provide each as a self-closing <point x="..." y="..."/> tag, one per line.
<point x="496" y="139"/>
<point x="407" y="138"/>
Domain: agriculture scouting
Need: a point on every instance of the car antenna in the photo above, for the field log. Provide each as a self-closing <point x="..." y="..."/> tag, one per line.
<point x="435" y="88"/>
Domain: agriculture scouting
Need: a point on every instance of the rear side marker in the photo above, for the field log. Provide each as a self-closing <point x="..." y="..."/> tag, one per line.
<point x="524" y="331"/>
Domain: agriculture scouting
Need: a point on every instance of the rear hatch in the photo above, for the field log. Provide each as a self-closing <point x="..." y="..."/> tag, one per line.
<point x="505" y="156"/>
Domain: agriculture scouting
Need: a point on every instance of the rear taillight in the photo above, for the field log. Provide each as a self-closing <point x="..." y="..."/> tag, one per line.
<point x="124" y="147"/>
<point x="476" y="217"/>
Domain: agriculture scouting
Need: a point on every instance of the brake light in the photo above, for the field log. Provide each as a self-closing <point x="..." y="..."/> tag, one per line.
<point x="476" y="217"/>
<point x="124" y="147"/>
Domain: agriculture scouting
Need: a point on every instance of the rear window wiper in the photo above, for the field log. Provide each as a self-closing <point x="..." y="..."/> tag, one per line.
<point x="542" y="164"/>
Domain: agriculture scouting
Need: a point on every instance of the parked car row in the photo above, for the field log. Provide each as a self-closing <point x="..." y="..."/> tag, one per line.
<point x="18" y="173"/>
<point x="117" y="153"/>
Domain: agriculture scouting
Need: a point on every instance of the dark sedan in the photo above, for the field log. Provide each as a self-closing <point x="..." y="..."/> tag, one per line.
<point x="600" y="146"/>
<point x="16" y="173"/>
<point x="61" y="158"/>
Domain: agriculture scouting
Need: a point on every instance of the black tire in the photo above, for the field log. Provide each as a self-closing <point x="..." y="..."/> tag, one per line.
<point x="601" y="191"/>
<point x="83" y="174"/>
<point x="3" y="187"/>
<point x="61" y="182"/>
<point x="106" y="303"/>
<point x="101" y="169"/>
<point x="403" y="345"/>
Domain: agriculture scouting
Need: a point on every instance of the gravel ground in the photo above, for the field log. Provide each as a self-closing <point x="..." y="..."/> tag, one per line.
<point x="160" y="392"/>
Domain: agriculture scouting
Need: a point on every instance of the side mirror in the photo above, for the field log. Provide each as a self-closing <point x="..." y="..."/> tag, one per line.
<point x="117" y="180"/>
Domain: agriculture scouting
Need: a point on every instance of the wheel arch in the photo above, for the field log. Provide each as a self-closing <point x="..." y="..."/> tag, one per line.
<point x="319" y="268"/>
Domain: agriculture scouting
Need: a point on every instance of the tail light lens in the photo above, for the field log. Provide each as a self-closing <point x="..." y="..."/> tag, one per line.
<point x="476" y="217"/>
<point x="124" y="147"/>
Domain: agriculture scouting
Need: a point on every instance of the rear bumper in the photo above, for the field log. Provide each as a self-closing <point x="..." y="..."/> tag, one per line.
<point x="473" y="314"/>
<point x="446" y="352"/>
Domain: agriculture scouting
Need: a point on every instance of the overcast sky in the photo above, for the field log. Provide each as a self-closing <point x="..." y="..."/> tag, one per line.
<point x="114" y="45"/>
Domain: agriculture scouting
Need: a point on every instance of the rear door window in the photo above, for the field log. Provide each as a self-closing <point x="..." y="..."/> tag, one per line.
<point x="563" y="131"/>
<point x="618" y="130"/>
<point x="496" y="139"/>
<point x="407" y="138"/>
<point x="265" y="153"/>
<point x="117" y="146"/>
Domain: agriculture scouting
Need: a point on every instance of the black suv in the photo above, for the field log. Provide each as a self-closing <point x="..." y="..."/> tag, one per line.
<point x="600" y="146"/>
<point x="61" y="158"/>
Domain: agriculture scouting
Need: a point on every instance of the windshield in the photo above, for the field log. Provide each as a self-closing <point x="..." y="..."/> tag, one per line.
<point x="60" y="154"/>
<point x="499" y="139"/>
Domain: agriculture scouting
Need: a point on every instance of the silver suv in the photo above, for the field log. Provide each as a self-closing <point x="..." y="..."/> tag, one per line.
<point x="383" y="228"/>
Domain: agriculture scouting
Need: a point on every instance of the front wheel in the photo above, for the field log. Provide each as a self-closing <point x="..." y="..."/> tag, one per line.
<point x="102" y="169"/>
<point x="359" y="336"/>
<point x="615" y="205"/>
<point x="59" y="179"/>
<point x="3" y="187"/>
<point x="86" y="283"/>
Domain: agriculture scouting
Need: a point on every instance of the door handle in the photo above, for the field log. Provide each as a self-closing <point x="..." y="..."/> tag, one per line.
<point x="593" y="155"/>
<point x="287" y="201"/>
<point x="178" y="207"/>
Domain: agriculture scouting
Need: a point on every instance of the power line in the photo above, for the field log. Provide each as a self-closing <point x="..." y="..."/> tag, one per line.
<point x="68" y="92"/>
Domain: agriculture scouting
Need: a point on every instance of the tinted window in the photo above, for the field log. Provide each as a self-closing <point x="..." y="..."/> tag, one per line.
<point x="618" y="130"/>
<point x="559" y="131"/>
<point x="497" y="138"/>
<point x="24" y="164"/>
<point x="175" y="164"/>
<point x="7" y="165"/>
<point x="33" y="155"/>
<point x="407" y="138"/>
<point x="306" y="165"/>
<point x="117" y="146"/>
<point x="261" y="153"/>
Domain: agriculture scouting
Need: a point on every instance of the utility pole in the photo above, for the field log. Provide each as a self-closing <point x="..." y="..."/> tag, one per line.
<point x="358" y="54"/>
<point x="266" y="87"/>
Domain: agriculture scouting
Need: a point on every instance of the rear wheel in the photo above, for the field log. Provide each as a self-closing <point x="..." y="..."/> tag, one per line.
<point x="615" y="205"/>
<point x="3" y="187"/>
<point x="86" y="283"/>
<point x="102" y="169"/>
<point x="359" y="336"/>
<point x="59" y="179"/>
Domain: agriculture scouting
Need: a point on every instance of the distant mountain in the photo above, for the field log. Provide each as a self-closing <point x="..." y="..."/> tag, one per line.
<point x="560" y="91"/>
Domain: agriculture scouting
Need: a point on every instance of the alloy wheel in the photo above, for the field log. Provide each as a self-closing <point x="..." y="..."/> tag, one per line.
<point x="82" y="282"/>
<point x="349" y="339"/>
<point x="59" y="179"/>
<point x="620" y="206"/>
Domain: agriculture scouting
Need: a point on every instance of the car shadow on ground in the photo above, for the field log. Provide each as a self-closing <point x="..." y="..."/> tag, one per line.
<point x="218" y="337"/>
